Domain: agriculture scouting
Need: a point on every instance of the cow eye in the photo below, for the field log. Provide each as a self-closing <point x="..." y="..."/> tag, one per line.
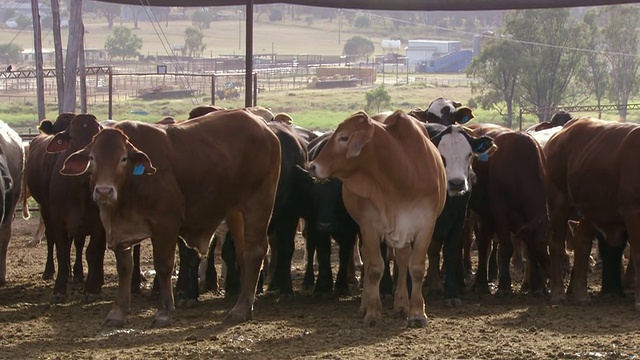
<point x="343" y="138"/>
<point x="124" y="159"/>
<point x="90" y="157"/>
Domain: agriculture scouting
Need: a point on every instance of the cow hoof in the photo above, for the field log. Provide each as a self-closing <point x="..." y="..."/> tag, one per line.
<point x="161" y="320"/>
<point x="58" y="298"/>
<point x="481" y="288"/>
<point x="90" y="298"/>
<point x="3" y="281"/>
<point x="186" y="303"/>
<point x="401" y="312"/>
<point x="582" y="302"/>
<point x="285" y="297"/>
<point x="417" y="322"/>
<point x="452" y="303"/>
<point x="113" y="320"/>
<point x="47" y="276"/>
<point x="503" y="293"/>
<point x="385" y="297"/>
<point x="370" y="321"/>
<point x="637" y="306"/>
<point x="235" y="317"/>
<point x="323" y="295"/>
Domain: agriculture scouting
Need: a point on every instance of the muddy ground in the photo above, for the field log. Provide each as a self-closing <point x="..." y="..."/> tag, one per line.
<point x="485" y="327"/>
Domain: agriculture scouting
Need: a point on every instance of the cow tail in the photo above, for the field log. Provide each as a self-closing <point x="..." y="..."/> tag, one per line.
<point x="24" y="198"/>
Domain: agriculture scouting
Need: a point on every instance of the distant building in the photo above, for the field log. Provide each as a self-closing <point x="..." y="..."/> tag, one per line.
<point x="437" y="56"/>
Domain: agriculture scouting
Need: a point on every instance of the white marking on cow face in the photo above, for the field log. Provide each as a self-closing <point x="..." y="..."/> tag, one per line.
<point x="442" y="108"/>
<point x="458" y="155"/>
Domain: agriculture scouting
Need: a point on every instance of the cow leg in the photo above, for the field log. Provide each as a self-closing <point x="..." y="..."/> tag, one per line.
<point x="356" y="264"/>
<point x="345" y="255"/>
<point x="210" y="278"/>
<point x="78" y="269"/>
<point x="311" y="237"/>
<point x="583" y="240"/>
<point x="467" y="242"/>
<point x="371" y="305"/>
<point x="611" y="255"/>
<point x="121" y="304"/>
<point x="187" y="289"/>
<point x="505" y="249"/>
<point x="629" y="275"/>
<point x="452" y="259"/>
<point x="633" y="231"/>
<point x="95" y="264"/>
<point x="5" y="235"/>
<point x="63" y="255"/>
<point x="230" y="258"/>
<point x="433" y="283"/>
<point x="417" y="315"/>
<point x="559" y="211"/>
<point x="386" y="283"/>
<point x="163" y="260"/>
<point x="49" y="266"/>
<point x="249" y="231"/>
<point x="483" y="239"/>
<point x="285" y="233"/>
<point x="136" y="276"/>
<point x="324" y="283"/>
<point x="493" y="261"/>
<point x="401" y="295"/>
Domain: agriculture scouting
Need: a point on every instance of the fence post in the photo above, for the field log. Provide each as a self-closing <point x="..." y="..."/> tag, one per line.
<point x="213" y="89"/>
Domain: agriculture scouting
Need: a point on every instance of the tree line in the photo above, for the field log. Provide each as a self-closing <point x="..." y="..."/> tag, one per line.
<point x="546" y="58"/>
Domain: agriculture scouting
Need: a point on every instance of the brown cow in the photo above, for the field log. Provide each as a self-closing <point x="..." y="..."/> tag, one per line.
<point x="65" y="203"/>
<point x="592" y="171"/>
<point x="11" y="168"/>
<point x="394" y="186"/>
<point x="183" y="180"/>
<point x="509" y="198"/>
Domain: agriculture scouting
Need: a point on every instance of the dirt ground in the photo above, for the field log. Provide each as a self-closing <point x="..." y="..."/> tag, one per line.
<point x="485" y="327"/>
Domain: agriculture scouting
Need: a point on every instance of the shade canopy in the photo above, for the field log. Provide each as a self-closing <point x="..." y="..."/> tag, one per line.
<point x="417" y="5"/>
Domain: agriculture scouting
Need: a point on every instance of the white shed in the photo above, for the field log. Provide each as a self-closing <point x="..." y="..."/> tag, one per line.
<point x="429" y="50"/>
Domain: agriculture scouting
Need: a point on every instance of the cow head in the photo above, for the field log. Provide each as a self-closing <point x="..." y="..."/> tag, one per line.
<point x="62" y="122"/>
<point x="444" y="111"/>
<point x="110" y="159"/>
<point x="348" y="142"/>
<point x="76" y="135"/>
<point x="457" y="147"/>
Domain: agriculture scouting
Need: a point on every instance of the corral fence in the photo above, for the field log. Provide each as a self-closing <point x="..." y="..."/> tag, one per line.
<point x="548" y="112"/>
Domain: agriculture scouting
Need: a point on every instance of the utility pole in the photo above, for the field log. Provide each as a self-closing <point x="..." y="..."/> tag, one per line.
<point x="73" y="46"/>
<point x="57" y="44"/>
<point x="37" y="44"/>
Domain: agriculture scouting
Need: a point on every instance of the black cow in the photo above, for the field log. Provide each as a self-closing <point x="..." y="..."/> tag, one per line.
<point x="457" y="148"/>
<point x="443" y="111"/>
<point x="328" y="218"/>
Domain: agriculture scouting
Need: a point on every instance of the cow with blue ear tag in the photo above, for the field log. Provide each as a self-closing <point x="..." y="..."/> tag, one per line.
<point x="457" y="146"/>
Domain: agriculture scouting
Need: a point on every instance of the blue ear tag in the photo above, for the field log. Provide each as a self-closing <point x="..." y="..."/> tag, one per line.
<point x="483" y="157"/>
<point x="464" y="120"/>
<point x="138" y="170"/>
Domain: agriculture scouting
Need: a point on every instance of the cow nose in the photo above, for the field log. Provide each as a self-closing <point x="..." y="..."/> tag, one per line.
<point x="104" y="192"/>
<point x="456" y="184"/>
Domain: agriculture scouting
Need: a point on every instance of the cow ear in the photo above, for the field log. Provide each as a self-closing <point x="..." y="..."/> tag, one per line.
<point x="463" y="115"/>
<point x="59" y="143"/>
<point x="46" y="127"/>
<point x="481" y="144"/>
<point x="141" y="163"/>
<point x="455" y="104"/>
<point x="358" y="140"/>
<point x="76" y="164"/>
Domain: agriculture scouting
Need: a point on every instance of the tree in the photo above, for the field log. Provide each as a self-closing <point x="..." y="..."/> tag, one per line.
<point x="193" y="43"/>
<point x="377" y="99"/>
<point x="362" y="22"/>
<point x="358" y="46"/>
<point x="594" y="74"/>
<point x="500" y="74"/>
<point x="276" y="15"/>
<point x="122" y="42"/>
<point x="547" y="37"/>
<point x="621" y="37"/>
<point x="110" y="11"/>
<point x="202" y="19"/>
<point x="10" y="53"/>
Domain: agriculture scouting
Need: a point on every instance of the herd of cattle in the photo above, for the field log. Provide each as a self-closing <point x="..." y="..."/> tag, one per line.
<point x="407" y="185"/>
